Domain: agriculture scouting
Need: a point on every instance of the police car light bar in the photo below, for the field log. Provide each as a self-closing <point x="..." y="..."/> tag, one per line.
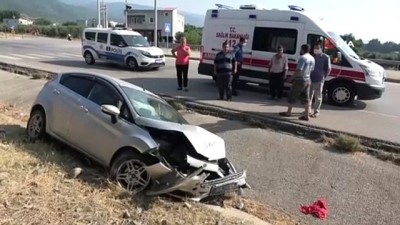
<point x="296" y="8"/>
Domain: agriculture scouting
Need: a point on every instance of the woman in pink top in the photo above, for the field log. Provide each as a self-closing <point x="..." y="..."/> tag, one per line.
<point x="182" y="53"/>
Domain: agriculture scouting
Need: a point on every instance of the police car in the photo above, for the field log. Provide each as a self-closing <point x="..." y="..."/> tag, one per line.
<point x="120" y="46"/>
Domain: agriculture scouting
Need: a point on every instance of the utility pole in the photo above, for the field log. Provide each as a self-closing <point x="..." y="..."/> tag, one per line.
<point x="155" y="23"/>
<point x="126" y="14"/>
<point x="98" y="13"/>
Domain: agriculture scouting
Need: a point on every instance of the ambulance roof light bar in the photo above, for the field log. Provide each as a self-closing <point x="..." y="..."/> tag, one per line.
<point x="296" y="8"/>
<point x="221" y="6"/>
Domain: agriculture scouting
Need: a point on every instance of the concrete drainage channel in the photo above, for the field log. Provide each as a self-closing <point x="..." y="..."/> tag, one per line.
<point x="381" y="149"/>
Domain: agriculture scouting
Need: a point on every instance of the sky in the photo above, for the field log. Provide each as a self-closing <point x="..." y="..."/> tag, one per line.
<point x="365" y="19"/>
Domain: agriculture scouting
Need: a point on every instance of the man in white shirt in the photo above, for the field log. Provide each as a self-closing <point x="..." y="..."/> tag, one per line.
<point x="278" y="68"/>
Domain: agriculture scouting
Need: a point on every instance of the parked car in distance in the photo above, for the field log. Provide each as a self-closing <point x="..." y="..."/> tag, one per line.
<point x="145" y="143"/>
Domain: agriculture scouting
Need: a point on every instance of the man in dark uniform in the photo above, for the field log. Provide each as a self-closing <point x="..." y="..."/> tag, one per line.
<point x="238" y="51"/>
<point x="224" y="67"/>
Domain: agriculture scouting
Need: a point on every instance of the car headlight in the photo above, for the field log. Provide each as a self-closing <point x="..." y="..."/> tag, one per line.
<point x="369" y="71"/>
<point x="145" y="53"/>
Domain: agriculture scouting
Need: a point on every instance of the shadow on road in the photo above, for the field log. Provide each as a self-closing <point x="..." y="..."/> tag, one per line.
<point x="98" y="65"/>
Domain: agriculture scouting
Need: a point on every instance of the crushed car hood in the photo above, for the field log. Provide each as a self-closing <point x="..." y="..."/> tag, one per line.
<point x="204" y="142"/>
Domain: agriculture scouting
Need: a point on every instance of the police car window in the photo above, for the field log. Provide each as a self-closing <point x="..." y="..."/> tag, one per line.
<point x="102" y="38"/>
<point x="77" y="84"/>
<point x="117" y="40"/>
<point x="268" y="39"/>
<point x="91" y="36"/>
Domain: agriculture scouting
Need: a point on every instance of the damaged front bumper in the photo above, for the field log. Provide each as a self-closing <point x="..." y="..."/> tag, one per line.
<point x="194" y="185"/>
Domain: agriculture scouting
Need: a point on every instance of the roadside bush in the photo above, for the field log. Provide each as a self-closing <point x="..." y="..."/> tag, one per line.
<point x="347" y="143"/>
<point x="51" y="31"/>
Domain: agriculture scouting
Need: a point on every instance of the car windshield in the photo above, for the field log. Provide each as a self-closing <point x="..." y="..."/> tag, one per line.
<point x="151" y="107"/>
<point x="343" y="45"/>
<point x="135" y="41"/>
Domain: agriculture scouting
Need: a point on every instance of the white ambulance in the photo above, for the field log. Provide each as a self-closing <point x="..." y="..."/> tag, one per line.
<point x="351" y="75"/>
<point x="120" y="46"/>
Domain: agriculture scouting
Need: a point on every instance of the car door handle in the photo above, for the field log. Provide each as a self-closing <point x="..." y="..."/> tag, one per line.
<point x="55" y="91"/>
<point x="292" y="60"/>
<point x="84" y="109"/>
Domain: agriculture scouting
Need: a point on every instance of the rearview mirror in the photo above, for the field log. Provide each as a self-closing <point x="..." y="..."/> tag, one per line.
<point x="112" y="111"/>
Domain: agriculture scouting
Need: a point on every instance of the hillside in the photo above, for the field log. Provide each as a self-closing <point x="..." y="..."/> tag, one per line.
<point x="116" y="10"/>
<point x="51" y="9"/>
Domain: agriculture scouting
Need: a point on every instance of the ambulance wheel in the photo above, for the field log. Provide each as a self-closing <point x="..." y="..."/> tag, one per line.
<point x="341" y="94"/>
<point x="89" y="58"/>
<point x="131" y="63"/>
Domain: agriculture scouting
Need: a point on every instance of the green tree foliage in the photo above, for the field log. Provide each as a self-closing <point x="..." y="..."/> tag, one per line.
<point x="358" y="44"/>
<point x="193" y="35"/>
<point x="42" y="21"/>
<point x="70" y="23"/>
<point x="9" y="14"/>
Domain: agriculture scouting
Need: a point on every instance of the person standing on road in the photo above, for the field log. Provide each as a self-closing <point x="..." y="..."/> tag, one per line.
<point x="224" y="67"/>
<point x="301" y="83"/>
<point x="182" y="55"/>
<point x="318" y="75"/>
<point x="238" y="52"/>
<point x="278" y="68"/>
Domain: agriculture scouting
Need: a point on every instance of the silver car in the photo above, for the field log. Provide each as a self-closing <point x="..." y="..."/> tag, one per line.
<point x="145" y="143"/>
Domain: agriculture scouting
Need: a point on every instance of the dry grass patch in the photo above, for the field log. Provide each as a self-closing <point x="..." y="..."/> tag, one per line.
<point x="343" y="143"/>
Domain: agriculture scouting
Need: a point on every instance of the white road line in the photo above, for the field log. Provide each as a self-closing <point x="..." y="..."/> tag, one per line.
<point x="41" y="56"/>
<point x="24" y="56"/>
<point x="9" y="57"/>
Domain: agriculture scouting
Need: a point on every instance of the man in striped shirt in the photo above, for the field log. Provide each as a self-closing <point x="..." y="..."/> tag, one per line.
<point x="224" y="67"/>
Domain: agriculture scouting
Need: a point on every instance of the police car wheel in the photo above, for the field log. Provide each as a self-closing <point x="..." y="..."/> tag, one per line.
<point x="132" y="64"/>
<point x="89" y="58"/>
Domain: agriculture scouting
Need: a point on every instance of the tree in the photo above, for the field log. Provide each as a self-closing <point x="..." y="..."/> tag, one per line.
<point x="357" y="44"/>
<point x="192" y="34"/>
<point x="42" y="21"/>
<point x="70" y="24"/>
<point x="9" y="14"/>
<point x="178" y="36"/>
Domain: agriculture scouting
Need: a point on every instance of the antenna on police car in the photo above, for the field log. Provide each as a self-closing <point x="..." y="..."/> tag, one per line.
<point x="221" y="6"/>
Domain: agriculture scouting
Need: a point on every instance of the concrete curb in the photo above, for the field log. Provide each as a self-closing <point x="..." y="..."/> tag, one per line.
<point x="381" y="149"/>
<point x="238" y="214"/>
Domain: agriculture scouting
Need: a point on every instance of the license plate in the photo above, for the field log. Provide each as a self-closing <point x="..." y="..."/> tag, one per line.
<point x="159" y="61"/>
<point x="223" y="189"/>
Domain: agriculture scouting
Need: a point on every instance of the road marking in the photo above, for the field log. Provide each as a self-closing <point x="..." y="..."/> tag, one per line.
<point x="381" y="114"/>
<point x="41" y="56"/>
<point x="9" y="57"/>
<point x="24" y="56"/>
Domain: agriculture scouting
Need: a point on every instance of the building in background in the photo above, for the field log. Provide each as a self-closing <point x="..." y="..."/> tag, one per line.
<point x="142" y="21"/>
<point x="15" y="22"/>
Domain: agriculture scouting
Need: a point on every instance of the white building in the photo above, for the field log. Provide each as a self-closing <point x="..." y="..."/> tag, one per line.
<point x="15" y="22"/>
<point x="142" y="21"/>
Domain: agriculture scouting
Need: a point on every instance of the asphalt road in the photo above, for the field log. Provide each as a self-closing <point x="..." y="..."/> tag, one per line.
<point x="285" y="171"/>
<point x="377" y="118"/>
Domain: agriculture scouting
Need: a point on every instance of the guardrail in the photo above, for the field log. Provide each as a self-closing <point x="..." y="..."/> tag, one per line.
<point x="387" y="63"/>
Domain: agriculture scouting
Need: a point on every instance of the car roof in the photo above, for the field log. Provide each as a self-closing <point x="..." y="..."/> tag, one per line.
<point x="113" y="80"/>
<point x="113" y="31"/>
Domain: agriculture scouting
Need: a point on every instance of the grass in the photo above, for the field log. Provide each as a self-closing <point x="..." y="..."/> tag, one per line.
<point x="343" y="143"/>
<point x="37" y="188"/>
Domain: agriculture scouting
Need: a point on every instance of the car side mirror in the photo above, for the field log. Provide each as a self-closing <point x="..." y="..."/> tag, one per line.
<point x="111" y="111"/>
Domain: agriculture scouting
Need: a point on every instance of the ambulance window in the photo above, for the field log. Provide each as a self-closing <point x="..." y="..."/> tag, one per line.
<point x="91" y="36"/>
<point x="102" y="38"/>
<point x="268" y="39"/>
<point x="328" y="48"/>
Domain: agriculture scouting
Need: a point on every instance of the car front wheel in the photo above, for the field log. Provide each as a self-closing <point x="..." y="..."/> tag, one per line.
<point x="129" y="170"/>
<point x="36" y="127"/>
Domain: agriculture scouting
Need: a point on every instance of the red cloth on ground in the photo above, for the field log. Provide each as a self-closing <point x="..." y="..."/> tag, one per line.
<point x="318" y="209"/>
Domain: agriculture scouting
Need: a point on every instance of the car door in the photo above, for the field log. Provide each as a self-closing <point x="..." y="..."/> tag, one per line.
<point x="93" y="130"/>
<point x="66" y="102"/>
<point x="102" y="44"/>
<point x="115" y="49"/>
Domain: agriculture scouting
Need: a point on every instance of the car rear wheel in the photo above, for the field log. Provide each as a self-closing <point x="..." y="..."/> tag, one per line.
<point x="89" y="58"/>
<point x="129" y="171"/>
<point x="36" y="127"/>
